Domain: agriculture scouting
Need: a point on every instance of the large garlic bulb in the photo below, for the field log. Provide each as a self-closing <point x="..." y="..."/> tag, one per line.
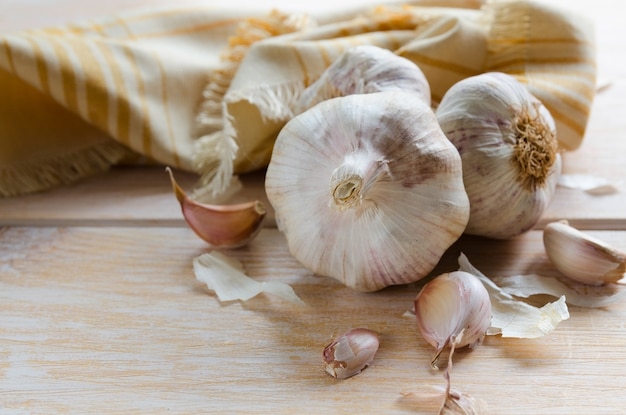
<point x="365" y="69"/>
<point x="367" y="189"/>
<point x="507" y="141"/>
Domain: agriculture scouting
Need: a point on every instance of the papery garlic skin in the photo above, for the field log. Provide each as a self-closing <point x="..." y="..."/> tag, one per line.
<point x="367" y="189"/>
<point x="453" y="308"/>
<point x="581" y="257"/>
<point x="365" y="69"/>
<point x="350" y="353"/>
<point x="507" y="141"/>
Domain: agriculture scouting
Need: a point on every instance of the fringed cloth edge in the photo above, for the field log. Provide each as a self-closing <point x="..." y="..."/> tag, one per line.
<point x="511" y="47"/>
<point x="216" y="149"/>
<point x="37" y="175"/>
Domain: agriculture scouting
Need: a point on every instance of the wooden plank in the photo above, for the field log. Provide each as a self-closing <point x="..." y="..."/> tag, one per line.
<point x="601" y="155"/>
<point x="141" y="196"/>
<point x="124" y="196"/>
<point x="111" y="320"/>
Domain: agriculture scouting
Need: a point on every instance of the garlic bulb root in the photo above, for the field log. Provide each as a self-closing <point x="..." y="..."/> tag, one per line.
<point x="507" y="141"/>
<point x="453" y="310"/>
<point x="581" y="257"/>
<point x="367" y="189"/>
<point x="535" y="148"/>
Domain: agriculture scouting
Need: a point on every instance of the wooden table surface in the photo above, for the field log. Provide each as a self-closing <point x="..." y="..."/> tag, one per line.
<point x="100" y="311"/>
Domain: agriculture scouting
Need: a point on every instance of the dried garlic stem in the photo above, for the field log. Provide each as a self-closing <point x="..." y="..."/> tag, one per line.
<point x="447" y="374"/>
<point x="454" y="402"/>
<point x="350" y="182"/>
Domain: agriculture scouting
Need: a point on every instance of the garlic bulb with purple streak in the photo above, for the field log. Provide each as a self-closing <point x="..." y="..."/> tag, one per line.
<point x="366" y="69"/>
<point x="367" y="189"/>
<point x="507" y="141"/>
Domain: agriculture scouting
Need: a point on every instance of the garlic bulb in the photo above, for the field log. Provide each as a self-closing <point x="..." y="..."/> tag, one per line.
<point x="582" y="257"/>
<point x="350" y="353"/>
<point x="367" y="189"/>
<point x="507" y="141"/>
<point x="366" y="69"/>
<point x="454" y="309"/>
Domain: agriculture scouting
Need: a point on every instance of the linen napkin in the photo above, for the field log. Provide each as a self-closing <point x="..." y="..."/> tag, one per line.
<point x="207" y="89"/>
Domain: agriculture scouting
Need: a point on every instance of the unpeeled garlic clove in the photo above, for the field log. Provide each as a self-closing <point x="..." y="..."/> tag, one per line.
<point x="453" y="309"/>
<point x="350" y="353"/>
<point x="366" y="69"/>
<point x="222" y="226"/>
<point x="581" y="257"/>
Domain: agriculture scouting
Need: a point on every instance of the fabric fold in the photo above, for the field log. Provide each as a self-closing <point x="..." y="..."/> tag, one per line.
<point x="207" y="89"/>
<point x="551" y="51"/>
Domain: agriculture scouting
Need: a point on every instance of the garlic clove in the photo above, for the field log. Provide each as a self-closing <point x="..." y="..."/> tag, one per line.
<point x="350" y="353"/>
<point x="367" y="189"/>
<point x="507" y="141"/>
<point x="365" y="69"/>
<point x="581" y="257"/>
<point x="222" y="226"/>
<point x="453" y="309"/>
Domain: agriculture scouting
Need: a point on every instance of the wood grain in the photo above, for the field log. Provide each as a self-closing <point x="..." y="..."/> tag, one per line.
<point x="111" y="320"/>
<point x="100" y="312"/>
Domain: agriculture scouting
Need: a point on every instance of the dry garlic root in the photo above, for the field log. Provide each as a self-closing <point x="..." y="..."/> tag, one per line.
<point x="350" y="353"/>
<point x="581" y="257"/>
<point x="363" y="70"/>
<point x="222" y="226"/>
<point x="367" y="189"/>
<point x="507" y="141"/>
<point x="453" y="310"/>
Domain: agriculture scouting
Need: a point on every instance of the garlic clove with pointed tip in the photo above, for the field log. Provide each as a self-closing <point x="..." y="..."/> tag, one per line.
<point x="222" y="226"/>
<point x="453" y="309"/>
<point x="507" y="141"/>
<point x="365" y="69"/>
<point x="350" y="353"/>
<point x="581" y="257"/>
<point x="367" y="189"/>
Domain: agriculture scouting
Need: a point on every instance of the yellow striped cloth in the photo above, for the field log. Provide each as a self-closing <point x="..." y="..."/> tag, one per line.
<point x="207" y="90"/>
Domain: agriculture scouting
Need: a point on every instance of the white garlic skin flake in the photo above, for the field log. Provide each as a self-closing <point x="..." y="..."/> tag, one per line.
<point x="366" y="69"/>
<point x="367" y="189"/>
<point x="507" y="141"/>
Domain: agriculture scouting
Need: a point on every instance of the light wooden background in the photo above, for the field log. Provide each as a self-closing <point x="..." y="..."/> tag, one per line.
<point x="100" y="311"/>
